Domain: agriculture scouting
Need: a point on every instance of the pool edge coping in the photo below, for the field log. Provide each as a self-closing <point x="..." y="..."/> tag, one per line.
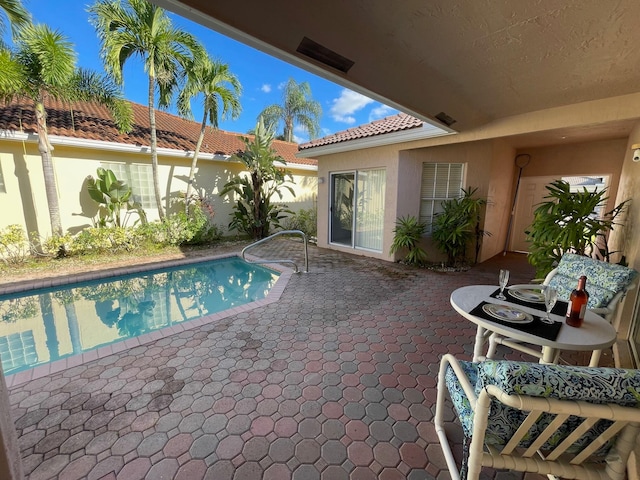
<point x="39" y="371"/>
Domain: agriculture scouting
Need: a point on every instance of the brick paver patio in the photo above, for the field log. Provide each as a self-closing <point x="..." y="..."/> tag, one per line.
<point x="337" y="380"/>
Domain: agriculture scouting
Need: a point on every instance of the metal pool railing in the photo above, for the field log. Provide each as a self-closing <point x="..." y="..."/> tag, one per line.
<point x="284" y="232"/>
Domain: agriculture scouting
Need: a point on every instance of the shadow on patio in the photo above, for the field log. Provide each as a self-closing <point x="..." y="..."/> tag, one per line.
<point x="337" y="380"/>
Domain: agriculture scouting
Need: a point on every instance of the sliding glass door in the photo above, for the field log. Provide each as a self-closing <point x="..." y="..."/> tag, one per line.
<point x="357" y="209"/>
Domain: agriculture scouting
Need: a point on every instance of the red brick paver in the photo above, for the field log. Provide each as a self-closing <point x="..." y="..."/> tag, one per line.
<point x="335" y="381"/>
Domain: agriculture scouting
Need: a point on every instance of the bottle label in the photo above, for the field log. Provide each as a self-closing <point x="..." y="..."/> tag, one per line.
<point x="583" y="309"/>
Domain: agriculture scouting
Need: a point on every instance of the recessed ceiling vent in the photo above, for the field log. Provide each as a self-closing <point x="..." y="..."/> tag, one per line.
<point x="446" y="119"/>
<point x="323" y="55"/>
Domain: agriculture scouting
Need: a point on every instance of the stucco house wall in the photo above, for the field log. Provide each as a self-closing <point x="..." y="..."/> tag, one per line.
<point x="24" y="202"/>
<point x="403" y="164"/>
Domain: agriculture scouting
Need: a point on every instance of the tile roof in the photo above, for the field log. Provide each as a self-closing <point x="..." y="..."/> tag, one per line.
<point x="93" y="122"/>
<point x="394" y="123"/>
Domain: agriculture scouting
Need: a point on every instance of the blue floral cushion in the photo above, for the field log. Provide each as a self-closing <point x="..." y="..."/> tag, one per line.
<point x="458" y="397"/>
<point x="594" y="385"/>
<point x="604" y="279"/>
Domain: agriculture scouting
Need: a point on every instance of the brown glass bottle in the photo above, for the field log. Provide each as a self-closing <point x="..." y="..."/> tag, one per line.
<point x="577" y="304"/>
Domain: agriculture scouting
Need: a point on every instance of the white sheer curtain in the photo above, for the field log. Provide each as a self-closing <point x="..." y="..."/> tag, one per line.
<point x="370" y="209"/>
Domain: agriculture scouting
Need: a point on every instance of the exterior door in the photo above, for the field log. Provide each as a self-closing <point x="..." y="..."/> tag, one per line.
<point x="341" y="208"/>
<point x="531" y="192"/>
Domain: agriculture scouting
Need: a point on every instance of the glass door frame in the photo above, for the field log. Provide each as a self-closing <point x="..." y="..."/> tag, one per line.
<point x="332" y="177"/>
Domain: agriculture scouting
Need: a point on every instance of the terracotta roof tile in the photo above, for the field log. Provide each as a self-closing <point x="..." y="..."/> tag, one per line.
<point x="394" y="123"/>
<point x="93" y="122"/>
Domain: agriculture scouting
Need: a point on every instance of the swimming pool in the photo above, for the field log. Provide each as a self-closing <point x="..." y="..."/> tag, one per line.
<point x="42" y="327"/>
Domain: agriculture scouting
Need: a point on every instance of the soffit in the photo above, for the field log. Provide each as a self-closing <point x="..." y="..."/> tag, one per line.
<point x="475" y="60"/>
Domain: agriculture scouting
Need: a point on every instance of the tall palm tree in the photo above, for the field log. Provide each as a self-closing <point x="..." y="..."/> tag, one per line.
<point x="15" y="12"/>
<point x="43" y="65"/>
<point x="137" y="28"/>
<point x="297" y="107"/>
<point x="220" y="91"/>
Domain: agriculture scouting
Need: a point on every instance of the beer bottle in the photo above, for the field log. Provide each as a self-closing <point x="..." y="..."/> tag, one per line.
<point x="577" y="304"/>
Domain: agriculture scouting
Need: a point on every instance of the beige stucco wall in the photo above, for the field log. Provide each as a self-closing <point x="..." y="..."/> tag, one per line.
<point x="601" y="158"/>
<point x="24" y="202"/>
<point x="489" y="167"/>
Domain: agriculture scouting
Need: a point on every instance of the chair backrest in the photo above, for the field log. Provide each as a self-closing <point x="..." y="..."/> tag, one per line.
<point x="598" y="386"/>
<point x="573" y="422"/>
<point x="606" y="282"/>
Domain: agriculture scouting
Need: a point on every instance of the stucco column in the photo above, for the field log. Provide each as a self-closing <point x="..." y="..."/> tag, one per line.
<point x="10" y="462"/>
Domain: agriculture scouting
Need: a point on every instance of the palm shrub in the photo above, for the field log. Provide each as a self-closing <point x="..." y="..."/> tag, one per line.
<point x="407" y="236"/>
<point x="254" y="213"/>
<point x="457" y="225"/>
<point x="566" y="223"/>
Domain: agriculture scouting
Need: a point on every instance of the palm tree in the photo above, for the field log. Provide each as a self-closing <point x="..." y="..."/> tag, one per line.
<point x="138" y="28"/>
<point x="15" y="12"/>
<point x="254" y="213"/>
<point x="220" y="90"/>
<point x="297" y="107"/>
<point x="42" y="66"/>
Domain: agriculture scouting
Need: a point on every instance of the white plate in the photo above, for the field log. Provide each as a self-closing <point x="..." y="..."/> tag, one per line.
<point x="506" y="313"/>
<point x="527" y="294"/>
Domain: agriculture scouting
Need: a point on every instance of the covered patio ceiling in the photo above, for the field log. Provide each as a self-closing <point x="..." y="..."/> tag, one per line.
<point x="475" y="61"/>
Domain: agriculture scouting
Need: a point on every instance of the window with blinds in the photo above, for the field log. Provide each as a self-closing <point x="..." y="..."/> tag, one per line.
<point x="138" y="177"/>
<point x="440" y="181"/>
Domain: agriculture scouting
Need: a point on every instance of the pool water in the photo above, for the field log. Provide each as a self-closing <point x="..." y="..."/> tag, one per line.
<point x="43" y="326"/>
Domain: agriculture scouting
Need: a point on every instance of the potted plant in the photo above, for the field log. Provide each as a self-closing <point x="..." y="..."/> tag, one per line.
<point x="566" y="222"/>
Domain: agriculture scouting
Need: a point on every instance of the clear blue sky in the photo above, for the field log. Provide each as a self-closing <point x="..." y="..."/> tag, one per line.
<point x="261" y="75"/>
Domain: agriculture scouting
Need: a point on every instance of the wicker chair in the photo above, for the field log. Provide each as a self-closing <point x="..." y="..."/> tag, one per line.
<point x="607" y="284"/>
<point x="570" y="422"/>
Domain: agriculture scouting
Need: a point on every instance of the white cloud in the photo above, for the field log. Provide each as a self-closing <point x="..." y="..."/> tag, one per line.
<point x="381" y="112"/>
<point x="266" y="88"/>
<point x="300" y="140"/>
<point x="346" y="105"/>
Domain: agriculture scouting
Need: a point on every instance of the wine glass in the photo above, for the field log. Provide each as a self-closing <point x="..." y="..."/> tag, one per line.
<point x="550" y="299"/>
<point x="503" y="279"/>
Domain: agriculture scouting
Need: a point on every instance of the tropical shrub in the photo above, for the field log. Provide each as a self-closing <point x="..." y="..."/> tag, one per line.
<point x="57" y="245"/>
<point x="193" y="228"/>
<point x="457" y="225"/>
<point x="305" y="220"/>
<point x="566" y="222"/>
<point x="104" y="240"/>
<point x="14" y="244"/>
<point x="254" y="213"/>
<point x="407" y="236"/>
<point x="112" y="195"/>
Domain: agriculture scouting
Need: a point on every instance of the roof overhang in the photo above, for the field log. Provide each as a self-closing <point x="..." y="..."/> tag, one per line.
<point x="56" y="140"/>
<point x="410" y="135"/>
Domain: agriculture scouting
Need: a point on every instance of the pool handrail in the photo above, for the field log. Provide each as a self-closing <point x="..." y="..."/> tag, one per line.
<point x="283" y="232"/>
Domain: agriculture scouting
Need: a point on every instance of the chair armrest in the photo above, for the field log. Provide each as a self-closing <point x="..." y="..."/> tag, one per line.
<point x="549" y="276"/>
<point x="469" y="390"/>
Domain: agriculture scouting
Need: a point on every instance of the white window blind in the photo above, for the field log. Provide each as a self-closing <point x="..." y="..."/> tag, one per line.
<point x="440" y="181"/>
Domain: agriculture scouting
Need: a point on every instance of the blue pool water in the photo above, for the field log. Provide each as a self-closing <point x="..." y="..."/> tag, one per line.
<point x="47" y="325"/>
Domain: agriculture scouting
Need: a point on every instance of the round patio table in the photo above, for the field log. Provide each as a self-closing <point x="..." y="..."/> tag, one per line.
<point x="595" y="334"/>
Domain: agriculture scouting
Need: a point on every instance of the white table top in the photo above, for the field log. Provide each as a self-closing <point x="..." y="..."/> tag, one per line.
<point x="595" y="333"/>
